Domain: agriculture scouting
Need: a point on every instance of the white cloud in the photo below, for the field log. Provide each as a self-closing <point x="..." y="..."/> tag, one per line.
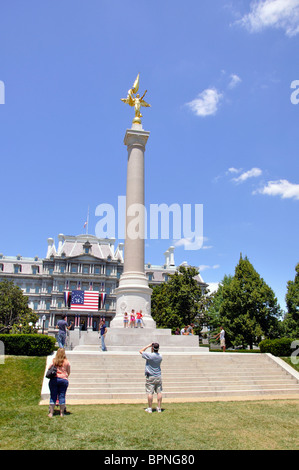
<point x="206" y="103"/>
<point x="234" y="81"/>
<point x="253" y="173"/>
<point x="234" y="170"/>
<point x="203" y="267"/>
<point x="282" y="14"/>
<point x="282" y="188"/>
<point x="195" y="243"/>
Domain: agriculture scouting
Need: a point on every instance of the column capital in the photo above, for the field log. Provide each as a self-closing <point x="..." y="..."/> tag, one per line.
<point x="136" y="137"/>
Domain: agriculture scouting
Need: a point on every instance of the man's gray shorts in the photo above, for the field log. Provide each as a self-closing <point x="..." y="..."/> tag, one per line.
<point x="153" y="384"/>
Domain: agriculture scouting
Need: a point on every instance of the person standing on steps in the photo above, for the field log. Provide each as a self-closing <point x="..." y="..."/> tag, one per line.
<point x="153" y="382"/>
<point x="62" y="327"/>
<point x="103" y="332"/>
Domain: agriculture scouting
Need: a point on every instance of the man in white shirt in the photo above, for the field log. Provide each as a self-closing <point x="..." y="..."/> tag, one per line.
<point x="221" y="335"/>
<point x="153" y="381"/>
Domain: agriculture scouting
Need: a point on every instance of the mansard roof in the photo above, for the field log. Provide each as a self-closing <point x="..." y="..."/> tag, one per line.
<point x="70" y="246"/>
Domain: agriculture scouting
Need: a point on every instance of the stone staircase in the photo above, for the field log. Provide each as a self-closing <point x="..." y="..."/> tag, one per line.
<point x="113" y="377"/>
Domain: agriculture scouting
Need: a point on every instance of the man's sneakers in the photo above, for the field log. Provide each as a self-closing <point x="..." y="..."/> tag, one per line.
<point x="149" y="410"/>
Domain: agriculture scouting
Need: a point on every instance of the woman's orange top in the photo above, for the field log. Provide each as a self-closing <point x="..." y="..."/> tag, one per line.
<point x="64" y="370"/>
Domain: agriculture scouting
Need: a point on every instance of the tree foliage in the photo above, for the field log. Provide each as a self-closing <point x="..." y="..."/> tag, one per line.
<point x="14" y="310"/>
<point x="249" y="308"/>
<point x="212" y="314"/>
<point x="178" y="302"/>
<point x="291" y="321"/>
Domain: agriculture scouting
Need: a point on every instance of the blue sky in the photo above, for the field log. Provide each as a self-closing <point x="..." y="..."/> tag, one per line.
<point x="223" y="123"/>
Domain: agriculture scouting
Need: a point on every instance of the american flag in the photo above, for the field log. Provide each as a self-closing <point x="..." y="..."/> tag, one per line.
<point x="85" y="300"/>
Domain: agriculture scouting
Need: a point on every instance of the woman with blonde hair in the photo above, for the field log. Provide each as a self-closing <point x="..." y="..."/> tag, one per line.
<point x="59" y="384"/>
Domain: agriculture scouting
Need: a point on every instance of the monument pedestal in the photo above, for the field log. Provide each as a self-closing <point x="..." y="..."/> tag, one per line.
<point x="133" y="293"/>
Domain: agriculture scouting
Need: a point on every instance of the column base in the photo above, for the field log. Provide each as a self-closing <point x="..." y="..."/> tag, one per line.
<point x="133" y="293"/>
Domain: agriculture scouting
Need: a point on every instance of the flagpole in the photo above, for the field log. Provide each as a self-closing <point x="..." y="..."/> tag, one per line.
<point x="87" y="221"/>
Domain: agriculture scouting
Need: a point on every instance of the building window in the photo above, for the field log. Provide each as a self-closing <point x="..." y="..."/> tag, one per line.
<point x="35" y="269"/>
<point x="17" y="268"/>
<point x="62" y="268"/>
<point x="37" y="290"/>
<point x="85" y="269"/>
<point x="74" y="268"/>
<point x="60" y="288"/>
<point x="48" y="304"/>
<point x="1" y="267"/>
<point x="35" y="305"/>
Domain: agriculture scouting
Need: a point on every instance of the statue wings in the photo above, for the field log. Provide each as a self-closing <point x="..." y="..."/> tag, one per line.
<point x="144" y="103"/>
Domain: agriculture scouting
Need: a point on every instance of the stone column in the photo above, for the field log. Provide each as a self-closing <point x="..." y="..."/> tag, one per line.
<point x="133" y="291"/>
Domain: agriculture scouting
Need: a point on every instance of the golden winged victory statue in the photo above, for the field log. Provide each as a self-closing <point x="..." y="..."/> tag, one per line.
<point x="136" y="101"/>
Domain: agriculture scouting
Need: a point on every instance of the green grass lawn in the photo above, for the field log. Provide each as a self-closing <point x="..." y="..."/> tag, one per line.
<point x="190" y="426"/>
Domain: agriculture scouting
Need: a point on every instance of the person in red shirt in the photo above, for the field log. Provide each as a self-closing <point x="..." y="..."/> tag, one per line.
<point x="139" y="319"/>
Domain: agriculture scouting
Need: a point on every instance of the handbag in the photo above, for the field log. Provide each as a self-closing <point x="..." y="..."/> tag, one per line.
<point x="51" y="372"/>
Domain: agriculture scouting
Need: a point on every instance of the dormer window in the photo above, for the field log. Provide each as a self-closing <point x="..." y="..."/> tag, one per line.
<point x="87" y="248"/>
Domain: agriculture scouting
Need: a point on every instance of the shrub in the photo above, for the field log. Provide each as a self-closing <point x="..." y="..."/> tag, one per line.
<point x="278" y="347"/>
<point x="28" y="345"/>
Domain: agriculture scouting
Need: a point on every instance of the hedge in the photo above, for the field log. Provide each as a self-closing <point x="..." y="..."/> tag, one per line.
<point x="28" y="345"/>
<point x="278" y="347"/>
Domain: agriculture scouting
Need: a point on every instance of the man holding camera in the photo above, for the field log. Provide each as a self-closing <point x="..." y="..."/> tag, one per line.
<point x="153" y="381"/>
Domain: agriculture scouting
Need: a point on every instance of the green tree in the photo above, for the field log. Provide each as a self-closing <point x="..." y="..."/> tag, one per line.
<point x="14" y="310"/>
<point x="291" y="321"/>
<point x="177" y="303"/>
<point x="212" y="315"/>
<point x="249" y="308"/>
